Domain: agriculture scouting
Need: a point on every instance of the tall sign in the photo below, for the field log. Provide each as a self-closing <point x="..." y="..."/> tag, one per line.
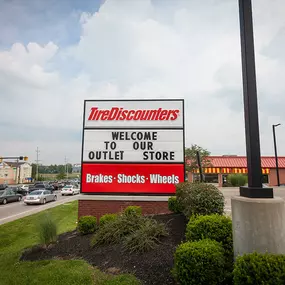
<point x="132" y="146"/>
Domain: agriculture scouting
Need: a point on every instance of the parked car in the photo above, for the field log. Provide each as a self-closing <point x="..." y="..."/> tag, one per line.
<point x="19" y="190"/>
<point x="61" y="185"/>
<point x="40" y="197"/>
<point x="70" y="190"/>
<point x="31" y="188"/>
<point x="55" y="185"/>
<point x="8" y="195"/>
<point x="39" y="186"/>
<point x="50" y="188"/>
<point x="25" y="187"/>
<point x="3" y="186"/>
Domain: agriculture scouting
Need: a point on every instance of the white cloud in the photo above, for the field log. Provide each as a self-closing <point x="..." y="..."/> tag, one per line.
<point x="135" y="49"/>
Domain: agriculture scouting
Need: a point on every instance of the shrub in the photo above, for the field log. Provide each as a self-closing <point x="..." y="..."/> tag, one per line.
<point x="214" y="227"/>
<point x="87" y="225"/>
<point x="173" y="205"/>
<point x="146" y="237"/>
<point x="237" y="180"/>
<point x="200" y="199"/>
<point x="137" y="233"/>
<point x="218" y="228"/>
<point x="47" y="230"/>
<point x="115" y="230"/>
<point x="257" y="268"/>
<point x="107" y="218"/>
<point x="199" y="263"/>
<point x="133" y="210"/>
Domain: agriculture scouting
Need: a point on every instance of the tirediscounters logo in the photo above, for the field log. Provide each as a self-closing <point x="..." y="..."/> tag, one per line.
<point x="132" y="146"/>
<point x="121" y="114"/>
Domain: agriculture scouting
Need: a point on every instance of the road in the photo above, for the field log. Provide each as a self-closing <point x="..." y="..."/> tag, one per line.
<point x="16" y="210"/>
<point x="229" y="192"/>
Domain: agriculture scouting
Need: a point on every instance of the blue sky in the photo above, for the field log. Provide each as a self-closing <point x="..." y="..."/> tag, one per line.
<point x="54" y="54"/>
<point x="42" y="21"/>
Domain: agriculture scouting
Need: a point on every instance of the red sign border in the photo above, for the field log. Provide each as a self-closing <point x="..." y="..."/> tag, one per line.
<point x="181" y="173"/>
<point x="122" y="128"/>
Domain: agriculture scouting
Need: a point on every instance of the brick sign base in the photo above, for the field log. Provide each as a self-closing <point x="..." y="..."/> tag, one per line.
<point x="100" y="206"/>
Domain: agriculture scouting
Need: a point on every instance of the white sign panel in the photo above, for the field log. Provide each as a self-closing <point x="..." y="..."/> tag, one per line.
<point x="134" y="114"/>
<point x="128" y="145"/>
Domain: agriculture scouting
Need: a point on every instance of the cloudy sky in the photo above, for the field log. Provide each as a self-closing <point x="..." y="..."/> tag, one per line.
<point x="54" y="54"/>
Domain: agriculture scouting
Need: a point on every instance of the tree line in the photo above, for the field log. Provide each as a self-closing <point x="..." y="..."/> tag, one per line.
<point x="51" y="169"/>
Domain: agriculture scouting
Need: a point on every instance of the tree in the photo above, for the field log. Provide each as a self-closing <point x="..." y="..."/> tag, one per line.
<point x="34" y="170"/>
<point x="61" y="168"/>
<point x="69" y="167"/>
<point x="191" y="157"/>
<point x="61" y="175"/>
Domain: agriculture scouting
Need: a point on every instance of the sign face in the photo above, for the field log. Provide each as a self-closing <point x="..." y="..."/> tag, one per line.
<point x="132" y="146"/>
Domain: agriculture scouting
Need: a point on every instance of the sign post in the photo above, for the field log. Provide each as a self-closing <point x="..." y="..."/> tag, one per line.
<point x="132" y="146"/>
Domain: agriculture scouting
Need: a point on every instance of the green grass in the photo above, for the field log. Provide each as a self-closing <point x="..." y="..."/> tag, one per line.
<point x="20" y="234"/>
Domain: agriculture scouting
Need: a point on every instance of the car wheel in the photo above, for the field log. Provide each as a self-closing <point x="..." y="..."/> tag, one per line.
<point x="62" y="194"/>
<point x="4" y="202"/>
<point x="54" y="198"/>
<point x="44" y="201"/>
<point x="19" y="199"/>
<point x="73" y="193"/>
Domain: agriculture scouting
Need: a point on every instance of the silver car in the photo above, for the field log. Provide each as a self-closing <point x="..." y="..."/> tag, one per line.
<point x="40" y="197"/>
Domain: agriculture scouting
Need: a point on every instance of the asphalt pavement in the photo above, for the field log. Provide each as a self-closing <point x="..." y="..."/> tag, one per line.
<point x="15" y="210"/>
<point x="230" y="191"/>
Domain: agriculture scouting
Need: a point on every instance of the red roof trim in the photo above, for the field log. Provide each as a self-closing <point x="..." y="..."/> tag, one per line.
<point x="241" y="162"/>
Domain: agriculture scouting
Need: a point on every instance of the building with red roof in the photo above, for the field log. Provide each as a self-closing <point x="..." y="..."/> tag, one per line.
<point x="221" y="166"/>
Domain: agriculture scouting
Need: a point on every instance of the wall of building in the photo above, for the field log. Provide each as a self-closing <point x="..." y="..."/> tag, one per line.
<point x="99" y="208"/>
<point x="25" y="172"/>
<point x="273" y="178"/>
<point x="6" y="174"/>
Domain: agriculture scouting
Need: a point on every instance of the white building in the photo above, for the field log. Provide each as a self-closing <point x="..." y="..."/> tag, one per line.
<point x="76" y="168"/>
<point x="22" y="171"/>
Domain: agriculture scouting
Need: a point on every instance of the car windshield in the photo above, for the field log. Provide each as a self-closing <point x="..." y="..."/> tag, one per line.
<point x="2" y="193"/>
<point x="36" y="193"/>
<point x="68" y="186"/>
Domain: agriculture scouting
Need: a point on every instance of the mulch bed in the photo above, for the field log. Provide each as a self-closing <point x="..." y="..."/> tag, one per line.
<point x="153" y="267"/>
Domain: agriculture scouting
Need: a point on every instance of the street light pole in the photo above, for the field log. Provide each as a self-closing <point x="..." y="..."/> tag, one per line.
<point x="254" y="189"/>
<point x="275" y="150"/>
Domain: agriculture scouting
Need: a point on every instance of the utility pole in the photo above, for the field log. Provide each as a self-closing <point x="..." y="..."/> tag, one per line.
<point x="275" y="151"/>
<point x="37" y="161"/>
<point x="17" y="172"/>
<point x="66" y="166"/>
<point x="19" y="166"/>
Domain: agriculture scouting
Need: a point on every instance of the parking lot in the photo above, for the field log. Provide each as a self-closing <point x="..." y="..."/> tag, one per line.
<point x="16" y="210"/>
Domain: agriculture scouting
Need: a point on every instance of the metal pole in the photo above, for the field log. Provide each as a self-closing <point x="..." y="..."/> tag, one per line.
<point x="200" y="166"/>
<point x="37" y="169"/>
<point x="254" y="189"/>
<point x="16" y="180"/>
<point x="19" y="179"/>
<point x="276" y="157"/>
